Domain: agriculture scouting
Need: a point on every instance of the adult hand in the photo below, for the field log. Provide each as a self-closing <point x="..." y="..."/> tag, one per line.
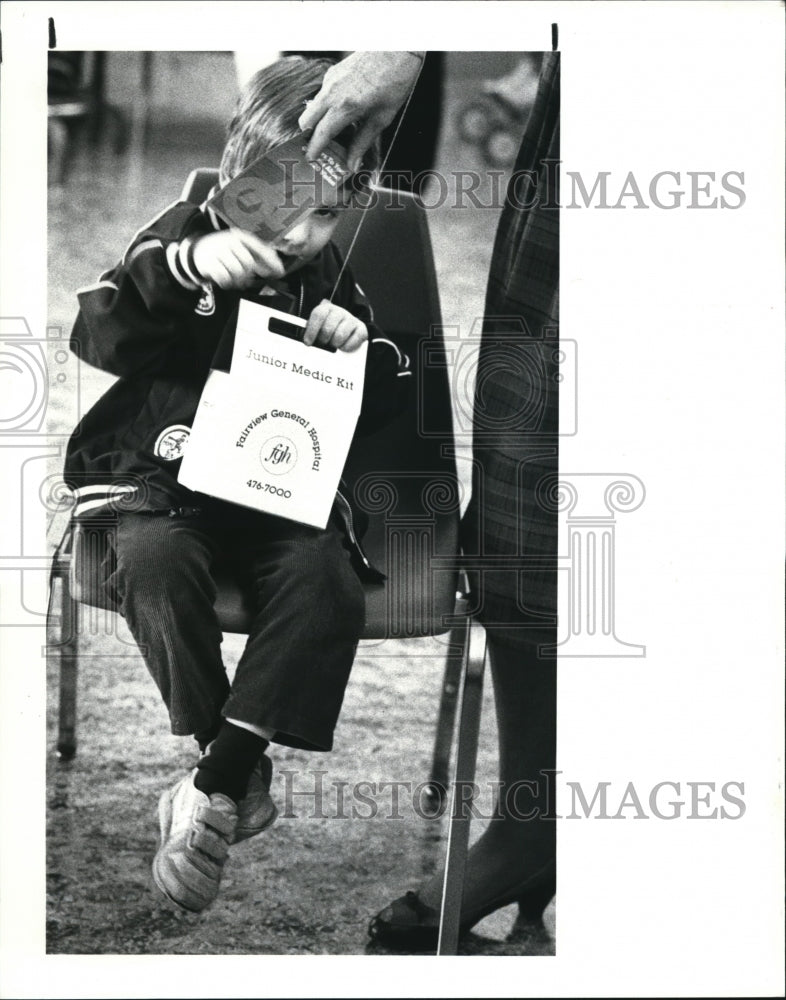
<point x="365" y="89"/>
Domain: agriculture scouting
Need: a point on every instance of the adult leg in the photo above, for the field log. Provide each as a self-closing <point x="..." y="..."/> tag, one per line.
<point x="511" y="514"/>
<point x="513" y="860"/>
<point x="515" y="446"/>
<point x="166" y="592"/>
<point x="521" y="840"/>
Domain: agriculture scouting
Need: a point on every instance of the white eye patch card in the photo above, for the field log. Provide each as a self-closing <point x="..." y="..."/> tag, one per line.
<point x="280" y="188"/>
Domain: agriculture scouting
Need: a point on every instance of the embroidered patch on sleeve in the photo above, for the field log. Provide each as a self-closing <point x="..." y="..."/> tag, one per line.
<point x="171" y="442"/>
<point x="207" y="304"/>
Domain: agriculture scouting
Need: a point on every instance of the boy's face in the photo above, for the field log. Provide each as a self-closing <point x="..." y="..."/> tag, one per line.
<point x="302" y="243"/>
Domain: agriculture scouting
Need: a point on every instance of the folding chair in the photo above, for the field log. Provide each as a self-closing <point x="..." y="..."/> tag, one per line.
<point x="403" y="478"/>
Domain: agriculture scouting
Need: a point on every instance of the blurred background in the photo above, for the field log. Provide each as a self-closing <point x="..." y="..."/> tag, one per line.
<point x="125" y="130"/>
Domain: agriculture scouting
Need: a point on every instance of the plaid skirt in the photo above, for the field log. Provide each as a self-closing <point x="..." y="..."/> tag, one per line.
<point x="509" y="532"/>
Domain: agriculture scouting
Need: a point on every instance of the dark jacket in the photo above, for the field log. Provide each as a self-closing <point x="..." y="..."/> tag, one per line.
<point x="149" y="323"/>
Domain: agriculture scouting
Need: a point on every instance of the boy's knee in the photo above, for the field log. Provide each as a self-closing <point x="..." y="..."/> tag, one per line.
<point x="155" y="550"/>
<point x="347" y="590"/>
<point x="352" y="597"/>
<point x="325" y="573"/>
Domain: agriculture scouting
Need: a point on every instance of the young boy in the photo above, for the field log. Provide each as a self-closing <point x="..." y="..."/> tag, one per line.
<point x="161" y="320"/>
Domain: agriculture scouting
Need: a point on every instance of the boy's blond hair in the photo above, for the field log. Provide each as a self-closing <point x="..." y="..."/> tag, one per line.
<point x="268" y="110"/>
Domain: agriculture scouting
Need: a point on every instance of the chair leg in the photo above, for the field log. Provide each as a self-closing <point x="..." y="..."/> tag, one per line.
<point x="57" y="138"/>
<point x="68" y="655"/>
<point x="436" y="790"/>
<point x="461" y="795"/>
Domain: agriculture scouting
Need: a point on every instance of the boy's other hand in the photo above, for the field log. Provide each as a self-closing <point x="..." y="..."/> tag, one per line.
<point x="332" y="326"/>
<point x="234" y="258"/>
<point x="365" y="89"/>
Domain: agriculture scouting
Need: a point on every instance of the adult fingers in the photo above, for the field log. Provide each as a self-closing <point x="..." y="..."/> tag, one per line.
<point x="327" y="126"/>
<point x="315" y="109"/>
<point x="364" y="137"/>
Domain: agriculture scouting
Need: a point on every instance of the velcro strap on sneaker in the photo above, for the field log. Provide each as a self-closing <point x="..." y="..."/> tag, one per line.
<point x="197" y="871"/>
<point x="217" y="820"/>
<point x="210" y="843"/>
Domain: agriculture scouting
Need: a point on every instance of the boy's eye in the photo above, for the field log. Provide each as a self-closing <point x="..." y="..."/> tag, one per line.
<point x="327" y="213"/>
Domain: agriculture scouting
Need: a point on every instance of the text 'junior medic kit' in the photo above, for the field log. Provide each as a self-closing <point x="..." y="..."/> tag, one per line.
<point x="273" y="433"/>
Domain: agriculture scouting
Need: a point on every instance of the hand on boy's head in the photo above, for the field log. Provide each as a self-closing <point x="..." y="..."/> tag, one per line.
<point x="365" y="89"/>
<point x="331" y="326"/>
<point x="233" y="258"/>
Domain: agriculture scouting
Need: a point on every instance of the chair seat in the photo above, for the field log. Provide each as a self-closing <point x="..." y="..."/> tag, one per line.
<point x="416" y="602"/>
<point x="235" y="607"/>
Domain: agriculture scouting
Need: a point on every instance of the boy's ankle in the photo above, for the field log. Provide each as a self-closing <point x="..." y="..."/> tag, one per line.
<point x="229" y="761"/>
<point x="206" y="736"/>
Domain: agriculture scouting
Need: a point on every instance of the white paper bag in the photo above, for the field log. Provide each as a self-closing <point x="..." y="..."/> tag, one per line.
<point x="274" y="433"/>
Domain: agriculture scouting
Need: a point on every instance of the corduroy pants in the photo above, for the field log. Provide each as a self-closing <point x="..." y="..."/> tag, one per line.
<point x="309" y="614"/>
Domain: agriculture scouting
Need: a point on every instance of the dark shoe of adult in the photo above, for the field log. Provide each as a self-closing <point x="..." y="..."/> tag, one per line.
<point x="408" y="924"/>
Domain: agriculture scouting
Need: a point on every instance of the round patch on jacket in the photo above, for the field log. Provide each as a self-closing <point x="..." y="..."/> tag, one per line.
<point x="207" y="304"/>
<point x="171" y="442"/>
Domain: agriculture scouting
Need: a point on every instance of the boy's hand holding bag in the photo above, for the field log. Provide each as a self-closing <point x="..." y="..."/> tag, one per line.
<point x="274" y="432"/>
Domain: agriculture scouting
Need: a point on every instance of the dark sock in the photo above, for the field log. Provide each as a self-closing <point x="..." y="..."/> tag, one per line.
<point x="228" y="766"/>
<point x="207" y="736"/>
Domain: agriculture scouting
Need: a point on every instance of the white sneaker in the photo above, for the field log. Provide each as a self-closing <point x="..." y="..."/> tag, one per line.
<point x="196" y="831"/>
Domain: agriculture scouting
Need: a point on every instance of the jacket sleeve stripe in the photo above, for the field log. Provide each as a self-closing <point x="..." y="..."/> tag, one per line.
<point x="364" y="300"/>
<point x="93" y="497"/>
<point x="84" y="506"/>
<point x="403" y="359"/>
<point x="185" y="258"/>
<point x="132" y="255"/>
<point x="149" y="225"/>
<point x="98" y="284"/>
<point x="181" y="276"/>
<point x="103" y="490"/>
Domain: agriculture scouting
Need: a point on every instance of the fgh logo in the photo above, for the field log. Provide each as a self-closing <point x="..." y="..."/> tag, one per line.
<point x="278" y="455"/>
